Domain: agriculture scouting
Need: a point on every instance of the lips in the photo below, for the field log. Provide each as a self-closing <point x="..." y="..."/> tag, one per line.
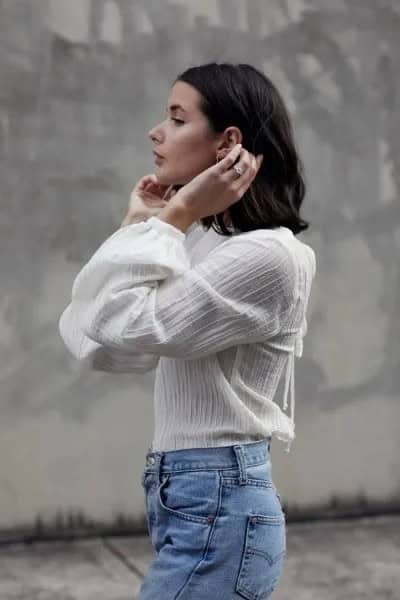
<point x="157" y="154"/>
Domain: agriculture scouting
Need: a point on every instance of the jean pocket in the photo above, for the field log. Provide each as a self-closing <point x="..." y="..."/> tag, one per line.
<point x="191" y="496"/>
<point x="263" y="556"/>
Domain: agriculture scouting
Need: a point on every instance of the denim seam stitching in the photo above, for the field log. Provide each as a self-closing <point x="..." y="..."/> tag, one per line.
<point x="210" y="536"/>
<point x="234" y="481"/>
<point x="217" y="468"/>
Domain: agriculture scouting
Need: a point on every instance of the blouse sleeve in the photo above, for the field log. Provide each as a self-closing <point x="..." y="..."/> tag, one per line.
<point x="138" y="294"/>
<point x="97" y="357"/>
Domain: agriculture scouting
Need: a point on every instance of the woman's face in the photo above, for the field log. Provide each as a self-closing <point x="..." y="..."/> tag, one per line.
<point x="184" y="139"/>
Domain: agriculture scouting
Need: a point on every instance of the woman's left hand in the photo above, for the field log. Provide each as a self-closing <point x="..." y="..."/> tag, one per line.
<point x="218" y="187"/>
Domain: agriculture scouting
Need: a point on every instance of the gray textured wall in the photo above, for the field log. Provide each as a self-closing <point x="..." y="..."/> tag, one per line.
<point x="82" y="83"/>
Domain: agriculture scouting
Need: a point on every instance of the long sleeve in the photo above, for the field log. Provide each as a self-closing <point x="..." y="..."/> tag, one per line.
<point x="97" y="357"/>
<point x="138" y="294"/>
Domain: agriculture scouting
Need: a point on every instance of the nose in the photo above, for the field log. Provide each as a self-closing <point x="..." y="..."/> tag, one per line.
<point x="155" y="134"/>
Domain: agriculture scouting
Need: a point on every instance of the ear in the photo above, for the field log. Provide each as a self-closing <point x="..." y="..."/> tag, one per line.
<point x="229" y="138"/>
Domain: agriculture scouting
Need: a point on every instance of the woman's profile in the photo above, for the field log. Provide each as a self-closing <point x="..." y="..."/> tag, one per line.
<point x="207" y="282"/>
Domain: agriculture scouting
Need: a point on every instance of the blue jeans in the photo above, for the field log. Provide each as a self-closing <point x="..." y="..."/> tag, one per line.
<point x="215" y="522"/>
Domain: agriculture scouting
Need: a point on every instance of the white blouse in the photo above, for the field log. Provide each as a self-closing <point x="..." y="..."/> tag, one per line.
<point x="219" y="318"/>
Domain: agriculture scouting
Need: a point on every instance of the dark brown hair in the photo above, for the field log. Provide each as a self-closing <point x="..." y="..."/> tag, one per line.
<point x="243" y="96"/>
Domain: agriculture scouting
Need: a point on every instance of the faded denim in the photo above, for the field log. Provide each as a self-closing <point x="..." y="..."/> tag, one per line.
<point x="216" y="524"/>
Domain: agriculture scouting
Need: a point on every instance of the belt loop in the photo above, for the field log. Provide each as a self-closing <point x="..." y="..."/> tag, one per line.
<point x="159" y="464"/>
<point x="241" y="460"/>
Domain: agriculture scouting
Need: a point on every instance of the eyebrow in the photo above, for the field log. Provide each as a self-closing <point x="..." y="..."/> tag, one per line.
<point x="176" y="107"/>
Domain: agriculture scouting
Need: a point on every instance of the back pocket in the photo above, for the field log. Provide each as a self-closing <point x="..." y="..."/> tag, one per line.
<point x="263" y="556"/>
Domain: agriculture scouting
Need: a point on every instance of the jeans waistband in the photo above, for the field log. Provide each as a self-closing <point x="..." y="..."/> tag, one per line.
<point x="221" y="457"/>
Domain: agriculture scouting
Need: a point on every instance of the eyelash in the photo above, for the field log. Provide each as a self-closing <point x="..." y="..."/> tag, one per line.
<point x="177" y="120"/>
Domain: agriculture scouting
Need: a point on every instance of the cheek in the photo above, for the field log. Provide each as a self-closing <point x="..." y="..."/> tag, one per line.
<point x="186" y="140"/>
<point x="194" y="151"/>
<point x="191" y="138"/>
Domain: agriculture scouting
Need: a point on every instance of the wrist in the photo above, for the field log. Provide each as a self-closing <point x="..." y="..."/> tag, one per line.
<point x="132" y="218"/>
<point x="176" y="214"/>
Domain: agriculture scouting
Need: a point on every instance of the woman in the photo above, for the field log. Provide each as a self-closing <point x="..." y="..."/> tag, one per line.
<point x="207" y="281"/>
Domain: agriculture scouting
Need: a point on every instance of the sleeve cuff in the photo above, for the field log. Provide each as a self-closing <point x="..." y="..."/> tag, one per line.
<point x="161" y="226"/>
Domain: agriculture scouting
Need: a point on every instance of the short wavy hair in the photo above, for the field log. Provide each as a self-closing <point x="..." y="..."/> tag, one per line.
<point x="243" y="96"/>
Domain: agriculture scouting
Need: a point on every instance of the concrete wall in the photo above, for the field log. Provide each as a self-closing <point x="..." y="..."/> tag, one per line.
<point x="82" y="83"/>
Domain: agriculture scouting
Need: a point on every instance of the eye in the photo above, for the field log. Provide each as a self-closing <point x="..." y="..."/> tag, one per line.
<point x="177" y="120"/>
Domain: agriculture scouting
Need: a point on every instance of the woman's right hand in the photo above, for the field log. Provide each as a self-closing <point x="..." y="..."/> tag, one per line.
<point x="147" y="198"/>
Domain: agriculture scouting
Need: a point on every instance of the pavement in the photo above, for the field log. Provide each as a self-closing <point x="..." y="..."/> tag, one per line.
<point x="356" y="559"/>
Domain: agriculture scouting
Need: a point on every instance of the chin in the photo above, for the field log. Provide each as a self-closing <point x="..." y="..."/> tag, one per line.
<point x="164" y="178"/>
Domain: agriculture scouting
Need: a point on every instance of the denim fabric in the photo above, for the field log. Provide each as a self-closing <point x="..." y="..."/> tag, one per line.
<point x="216" y="523"/>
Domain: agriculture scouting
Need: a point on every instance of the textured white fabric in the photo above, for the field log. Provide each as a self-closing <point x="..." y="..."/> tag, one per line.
<point x="219" y="318"/>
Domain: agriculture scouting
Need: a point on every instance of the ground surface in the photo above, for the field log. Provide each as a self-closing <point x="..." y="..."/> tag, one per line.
<point x="336" y="560"/>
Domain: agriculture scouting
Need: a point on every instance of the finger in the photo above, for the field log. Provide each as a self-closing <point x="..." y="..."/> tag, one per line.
<point x="242" y="183"/>
<point x="146" y="179"/>
<point x="157" y="188"/>
<point x="151" y="178"/>
<point x="152" y="187"/>
<point x="252" y="168"/>
<point x="227" y="162"/>
<point x="245" y="163"/>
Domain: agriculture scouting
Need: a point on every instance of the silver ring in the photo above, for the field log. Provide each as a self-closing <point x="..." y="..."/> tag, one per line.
<point x="239" y="170"/>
